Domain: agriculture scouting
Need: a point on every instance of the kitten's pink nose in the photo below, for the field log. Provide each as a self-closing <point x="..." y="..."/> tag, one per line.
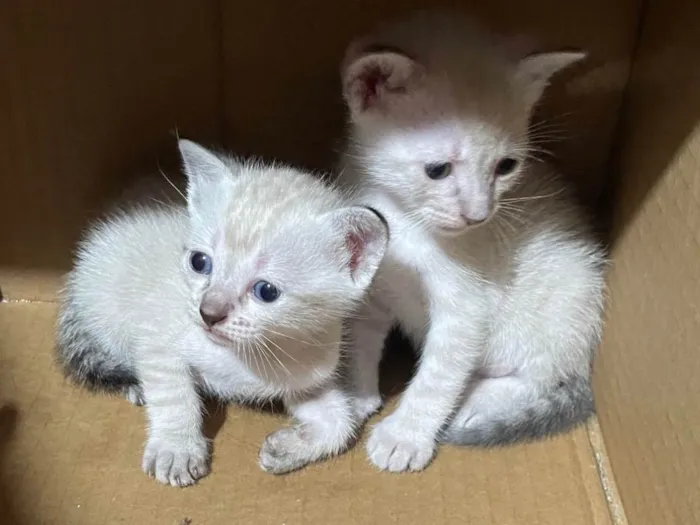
<point x="212" y="316"/>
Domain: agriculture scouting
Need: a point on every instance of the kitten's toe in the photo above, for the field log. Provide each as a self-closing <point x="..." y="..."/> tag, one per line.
<point x="396" y="447"/>
<point x="175" y="464"/>
<point x="286" y="450"/>
<point x="134" y="395"/>
<point x="366" y="406"/>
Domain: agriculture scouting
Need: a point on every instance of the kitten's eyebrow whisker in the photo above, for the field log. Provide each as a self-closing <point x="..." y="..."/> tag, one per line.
<point x="162" y="203"/>
<point x="172" y="184"/>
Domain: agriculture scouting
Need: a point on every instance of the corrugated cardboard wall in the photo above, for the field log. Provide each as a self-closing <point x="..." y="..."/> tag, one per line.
<point x="647" y="386"/>
<point x="91" y="88"/>
<point x="88" y="90"/>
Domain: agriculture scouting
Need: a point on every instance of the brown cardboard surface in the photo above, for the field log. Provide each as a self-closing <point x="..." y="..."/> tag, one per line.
<point x="647" y="387"/>
<point x="73" y="458"/>
<point x="89" y="90"/>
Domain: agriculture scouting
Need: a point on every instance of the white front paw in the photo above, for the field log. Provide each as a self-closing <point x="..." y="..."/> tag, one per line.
<point x="288" y="449"/>
<point x="397" y="446"/>
<point x="176" y="463"/>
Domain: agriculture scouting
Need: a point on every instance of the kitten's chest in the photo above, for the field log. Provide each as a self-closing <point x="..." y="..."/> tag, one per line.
<point x="402" y="284"/>
<point x="220" y="371"/>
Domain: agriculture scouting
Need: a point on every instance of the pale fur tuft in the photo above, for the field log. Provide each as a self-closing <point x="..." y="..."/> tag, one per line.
<point x="136" y="314"/>
<point x="492" y="269"/>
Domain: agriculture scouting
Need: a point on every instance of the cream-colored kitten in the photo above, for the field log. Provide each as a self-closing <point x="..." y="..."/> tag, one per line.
<point x="491" y="269"/>
<point x="240" y="294"/>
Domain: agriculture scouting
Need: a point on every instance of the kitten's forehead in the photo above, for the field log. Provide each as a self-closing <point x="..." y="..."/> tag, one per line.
<point x="267" y="202"/>
<point x="451" y="139"/>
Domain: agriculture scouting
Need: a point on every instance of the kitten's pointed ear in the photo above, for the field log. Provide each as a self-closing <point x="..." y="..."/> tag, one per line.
<point x="205" y="172"/>
<point x="534" y="71"/>
<point x="371" y="79"/>
<point x="365" y="236"/>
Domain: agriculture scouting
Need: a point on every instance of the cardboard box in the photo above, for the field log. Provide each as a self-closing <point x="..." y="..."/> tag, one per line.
<point x="91" y="89"/>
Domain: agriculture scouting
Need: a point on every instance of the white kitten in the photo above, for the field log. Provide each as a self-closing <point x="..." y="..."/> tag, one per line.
<point x="491" y="268"/>
<point x="240" y="295"/>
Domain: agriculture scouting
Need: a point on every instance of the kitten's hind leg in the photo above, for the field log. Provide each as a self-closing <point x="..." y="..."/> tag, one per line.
<point x="510" y="409"/>
<point x="326" y="426"/>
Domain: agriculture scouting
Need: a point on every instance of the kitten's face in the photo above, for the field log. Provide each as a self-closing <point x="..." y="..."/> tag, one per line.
<point x="283" y="283"/>
<point x="448" y="174"/>
<point x="446" y="147"/>
<point x="273" y="264"/>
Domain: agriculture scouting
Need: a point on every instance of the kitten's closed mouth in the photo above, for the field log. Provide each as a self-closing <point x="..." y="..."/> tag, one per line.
<point x="218" y="338"/>
<point x="453" y="230"/>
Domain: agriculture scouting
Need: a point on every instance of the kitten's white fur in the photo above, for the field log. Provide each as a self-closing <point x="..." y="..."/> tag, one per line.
<point x="130" y="315"/>
<point x="498" y="280"/>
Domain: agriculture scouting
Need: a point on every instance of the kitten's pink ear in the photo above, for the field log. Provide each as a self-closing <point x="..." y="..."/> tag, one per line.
<point x="534" y="71"/>
<point x="205" y="172"/>
<point x="370" y="80"/>
<point x="365" y="236"/>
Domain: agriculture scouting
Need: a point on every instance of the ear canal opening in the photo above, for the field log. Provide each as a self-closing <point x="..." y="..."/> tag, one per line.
<point x="356" y="246"/>
<point x="370" y="79"/>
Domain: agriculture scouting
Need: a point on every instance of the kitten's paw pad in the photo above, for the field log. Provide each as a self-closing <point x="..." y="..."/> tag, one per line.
<point x="365" y="407"/>
<point x="392" y="446"/>
<point x="134" y="395"/>
<point x="286" y="450"/>
<point x="176" y="464"/>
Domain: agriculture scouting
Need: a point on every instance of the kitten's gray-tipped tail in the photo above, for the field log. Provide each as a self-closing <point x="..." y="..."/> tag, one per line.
<point x="565" y="407"/>
<point x="83" y="359"/>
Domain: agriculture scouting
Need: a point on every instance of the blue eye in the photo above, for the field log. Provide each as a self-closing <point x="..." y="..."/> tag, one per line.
<point x="438" y="171"/>
<point x="200" y="263"/>
<point x="266" y="292"/>
<point x="506" y="166"/>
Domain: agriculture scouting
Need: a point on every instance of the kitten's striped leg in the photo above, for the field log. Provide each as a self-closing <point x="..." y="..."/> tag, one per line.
<point x="176" y="452"/>
<point x="406" y="440"/>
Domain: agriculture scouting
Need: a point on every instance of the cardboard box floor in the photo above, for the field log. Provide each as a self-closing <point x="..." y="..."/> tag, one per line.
<point x="73" y="458"/>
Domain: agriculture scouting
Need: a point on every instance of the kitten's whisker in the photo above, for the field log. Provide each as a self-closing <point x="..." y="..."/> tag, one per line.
<point x="279" y="348"/>
<point x="513" y="213"/>
<point x="254" y="358"/>
<point x="270" y="353"/>
<point x="172" y="184"/>
<point x="260" y="350"/>
<point x="279" y="334"/>
<point x="532" y="198"/>
<point x="264" y="352"/>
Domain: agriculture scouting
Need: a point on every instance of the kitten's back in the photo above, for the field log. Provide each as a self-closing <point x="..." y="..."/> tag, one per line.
<point x="125" y="277"/>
